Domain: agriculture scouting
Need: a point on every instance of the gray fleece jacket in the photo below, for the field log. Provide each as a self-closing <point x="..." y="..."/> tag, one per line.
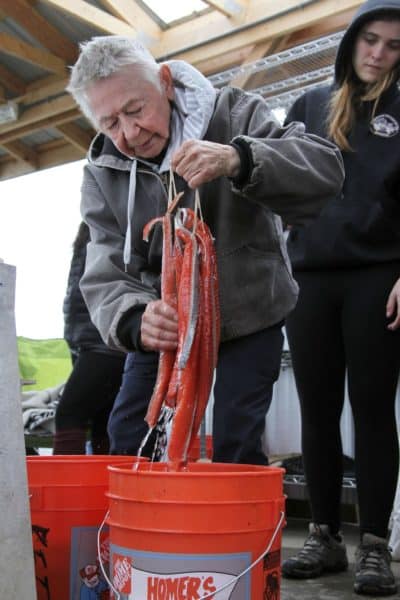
<point x="291" y="174"/>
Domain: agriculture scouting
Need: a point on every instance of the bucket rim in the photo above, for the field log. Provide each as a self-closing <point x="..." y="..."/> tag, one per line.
<point x="145" y="469"/>
<point x="195" y="532"/>
<point x="239" y="502"/>
<point x="67" y="458"/>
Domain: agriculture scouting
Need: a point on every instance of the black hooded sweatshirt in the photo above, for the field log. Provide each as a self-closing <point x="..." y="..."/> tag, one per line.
<point x="362" y="226"/>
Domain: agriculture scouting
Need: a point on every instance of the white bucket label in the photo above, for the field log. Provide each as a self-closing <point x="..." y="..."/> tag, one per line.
<point x="86" y="577"/>
<point x="140" y="575"/>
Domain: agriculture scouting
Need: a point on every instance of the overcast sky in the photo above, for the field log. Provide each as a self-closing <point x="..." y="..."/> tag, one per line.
<point x="39" y="217"/>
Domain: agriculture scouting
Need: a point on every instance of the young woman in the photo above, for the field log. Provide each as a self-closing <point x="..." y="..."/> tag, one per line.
<point x="347" y="264"/>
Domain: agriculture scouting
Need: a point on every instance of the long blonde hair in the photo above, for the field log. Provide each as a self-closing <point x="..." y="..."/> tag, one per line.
<point x="344" y="102"/>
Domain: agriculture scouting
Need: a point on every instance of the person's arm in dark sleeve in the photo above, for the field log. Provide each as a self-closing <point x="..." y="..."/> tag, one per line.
<point x="246" y="162"/>
<point x="128" y="330"/>
<point x="391" y="200"/>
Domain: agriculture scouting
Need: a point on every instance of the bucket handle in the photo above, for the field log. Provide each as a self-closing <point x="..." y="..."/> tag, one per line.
<point x="117" y="594"/>
<point x="211" y="594"/>
<point x="253" y="564"/>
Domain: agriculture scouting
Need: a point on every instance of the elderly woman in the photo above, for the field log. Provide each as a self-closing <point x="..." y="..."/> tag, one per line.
<point x="152" y="118"/>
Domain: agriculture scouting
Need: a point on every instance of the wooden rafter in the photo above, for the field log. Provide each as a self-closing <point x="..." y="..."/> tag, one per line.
<point x="49" y="156"/>
<point x="11" y="82"/>
<point x="76" y="135"/>
<point x="257" y="52"/>
<point x="255" y="80"/>
<point x="28" y="53"/>
<point x="38" y="113"/>
<point x="53" y="85"/>
<point x="134" y="15"/>
<point x="49" y="37"/>
<point x="22" y="152"/>
<point x="324" y="27"/>
<point x="262" y="21"/>
<point x="281" y="24"/>
<point x="225" y="61"/>
<point x="47" y="122"/>
<point x="83" y="11"/>
<point x="46" y="157"/>
<point x="229" y="9"/>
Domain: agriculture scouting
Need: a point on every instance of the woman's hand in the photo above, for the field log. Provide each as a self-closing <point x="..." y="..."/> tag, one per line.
<point x="159" y="330"/>
<point x="393" y="306"/>
<point x="198" y="161"/>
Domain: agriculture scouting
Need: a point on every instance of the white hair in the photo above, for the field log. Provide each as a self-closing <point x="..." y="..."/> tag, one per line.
<point x="102" y="57"/>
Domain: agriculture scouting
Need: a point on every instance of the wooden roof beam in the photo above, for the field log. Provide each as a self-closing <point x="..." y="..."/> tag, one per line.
<point x="225" y="61"/>
<point x="54" y="121"/>
<point x="286" y="23"/>
<point x="39" y="28"/>
<point x="41" y="112"/>
<point x="57" y="152"/>
<point x="325" y="27"/>
<point x="262" y="21"/>
<point x="229" y="9"/>
<point x="257" y="79"/>
<point x="22" y="153"/>
<point x="43" y="88"/>
<point x="76" y="135"/>
<point x="134" y="15"/>
<point x="259" y="51"/>
<point x="46" y="157"/>
<point x="10" y="167"/>
<point x="28" y="53"/>
<point x="11" y="82"/>
<point x="95" y="17"/>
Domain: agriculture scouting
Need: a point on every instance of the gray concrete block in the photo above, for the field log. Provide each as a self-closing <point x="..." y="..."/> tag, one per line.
<point x="17" y="576"/>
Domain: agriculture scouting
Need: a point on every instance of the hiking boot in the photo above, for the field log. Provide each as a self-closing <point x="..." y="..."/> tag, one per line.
<point x="373" y="574"/>
<point x="321" y="553"/>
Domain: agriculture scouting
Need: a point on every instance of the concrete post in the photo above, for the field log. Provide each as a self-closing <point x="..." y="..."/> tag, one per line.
<point x="17" y="574"/>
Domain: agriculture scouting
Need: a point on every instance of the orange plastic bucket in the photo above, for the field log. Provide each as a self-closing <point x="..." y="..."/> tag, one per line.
<point x="187" y="534"/>
<point x="68" y="504"/>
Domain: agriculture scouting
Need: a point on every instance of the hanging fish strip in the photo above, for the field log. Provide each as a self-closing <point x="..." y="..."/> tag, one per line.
<point x="189" y="283"/>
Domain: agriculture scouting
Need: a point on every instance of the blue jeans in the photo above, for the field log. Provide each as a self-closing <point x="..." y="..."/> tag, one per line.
<point x="246" y="371"/>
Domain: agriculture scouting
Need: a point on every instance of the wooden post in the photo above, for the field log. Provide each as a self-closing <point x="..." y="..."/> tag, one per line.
<point x="17" y="574"/>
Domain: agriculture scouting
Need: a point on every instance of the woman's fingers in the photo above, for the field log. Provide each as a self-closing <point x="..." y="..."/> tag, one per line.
<point x="199" y="161"/>
<point x="159" y="329"/>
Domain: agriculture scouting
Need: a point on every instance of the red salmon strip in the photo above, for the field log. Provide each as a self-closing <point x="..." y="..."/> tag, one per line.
<point x="189" y="282"/>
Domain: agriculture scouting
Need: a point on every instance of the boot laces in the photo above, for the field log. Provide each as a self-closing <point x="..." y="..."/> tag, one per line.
<point x="313" y="546"/>
<point x="374" y="557"/>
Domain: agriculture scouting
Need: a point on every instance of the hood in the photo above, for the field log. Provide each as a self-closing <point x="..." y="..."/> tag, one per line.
<point x="191" y="113"/>
<point x="367" y="12"/>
